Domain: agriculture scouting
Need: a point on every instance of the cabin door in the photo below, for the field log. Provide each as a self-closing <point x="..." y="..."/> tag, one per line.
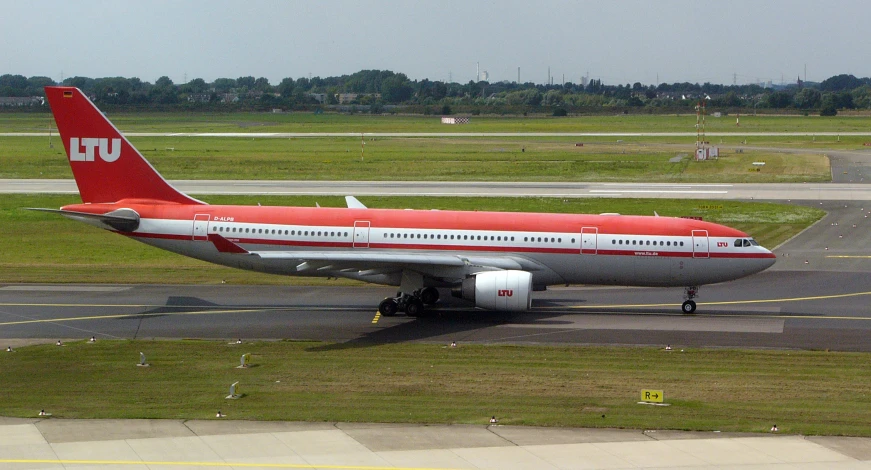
<point x="201" y="227"/>
<point x="588" y="240"/>
<point x="361" y="234"/>
<point x="700" y="244"/>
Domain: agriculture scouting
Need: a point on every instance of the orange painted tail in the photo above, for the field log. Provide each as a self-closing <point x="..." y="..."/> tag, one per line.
<point x="107" y="167"/>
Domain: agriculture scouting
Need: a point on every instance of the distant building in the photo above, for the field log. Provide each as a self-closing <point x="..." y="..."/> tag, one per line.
<point x="345" y="98"/>
<point x="319" y="97"/>
<point x="22" y="101"/>
<point x="229" y="97"/>
<point x="199" y="97"/>
<point x="454" y="120"/>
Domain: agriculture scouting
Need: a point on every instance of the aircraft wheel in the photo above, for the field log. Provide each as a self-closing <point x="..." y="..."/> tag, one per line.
<point x="688" y="306"/>
<point x="414" y="308"/>
<point x="388" y="307"/>
<point x="429" y="296"/>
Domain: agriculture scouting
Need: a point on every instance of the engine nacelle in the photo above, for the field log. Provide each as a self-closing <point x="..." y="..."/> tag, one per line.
<point x="498" y="290"/>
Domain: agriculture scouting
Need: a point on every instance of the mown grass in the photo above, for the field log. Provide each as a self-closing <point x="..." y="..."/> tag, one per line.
<point x="807" y="392"/>
<point x="49" y="248"/>
<point x="334" y="122"/>
<point x="430" y="159"/>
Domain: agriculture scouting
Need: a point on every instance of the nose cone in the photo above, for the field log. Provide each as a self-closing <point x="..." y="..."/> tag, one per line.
<point x="765" y="260"/>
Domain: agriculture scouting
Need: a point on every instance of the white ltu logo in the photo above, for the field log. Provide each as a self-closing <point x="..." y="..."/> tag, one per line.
<point x="89" y="144"/>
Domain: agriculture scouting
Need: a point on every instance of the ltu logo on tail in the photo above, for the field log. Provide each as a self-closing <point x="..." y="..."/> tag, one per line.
<point x="505" y="292"/>
<point x="108" y="153"/>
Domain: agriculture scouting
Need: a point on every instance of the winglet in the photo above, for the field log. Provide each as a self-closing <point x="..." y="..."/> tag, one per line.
<point x="353" y="203"/>
<point x="226" y="246"/>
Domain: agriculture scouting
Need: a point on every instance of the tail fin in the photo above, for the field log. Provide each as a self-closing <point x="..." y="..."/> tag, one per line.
<point x="107" y="167"/>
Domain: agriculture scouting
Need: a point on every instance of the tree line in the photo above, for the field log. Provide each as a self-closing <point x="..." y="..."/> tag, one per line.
<point x="379" y="91"/>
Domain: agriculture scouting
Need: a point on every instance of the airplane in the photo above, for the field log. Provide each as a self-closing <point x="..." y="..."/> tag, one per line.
<point x="495" y="260"/>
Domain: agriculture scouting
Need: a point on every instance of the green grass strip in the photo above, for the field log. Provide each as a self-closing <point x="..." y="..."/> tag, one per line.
<point x="810" y="392"/>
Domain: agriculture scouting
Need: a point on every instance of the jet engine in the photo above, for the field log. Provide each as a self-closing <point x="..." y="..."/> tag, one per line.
<point x="498" y="290"/>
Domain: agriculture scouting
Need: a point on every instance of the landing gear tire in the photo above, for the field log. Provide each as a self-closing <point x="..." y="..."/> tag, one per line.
<point x="388" y="307"/>
<point x="414" y="308"/>
<point x="429" y="296"/>
<point x="688" y="306"/>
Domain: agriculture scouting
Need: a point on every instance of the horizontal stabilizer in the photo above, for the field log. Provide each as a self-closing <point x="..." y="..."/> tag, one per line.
<point x="123" y="220"/>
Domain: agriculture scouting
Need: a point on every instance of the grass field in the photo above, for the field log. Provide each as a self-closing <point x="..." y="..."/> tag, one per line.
<point x="332" y="122"/>
<point x="810" y="392"/>
<point x="50" y="248"/>
<point x="430" y="159"/>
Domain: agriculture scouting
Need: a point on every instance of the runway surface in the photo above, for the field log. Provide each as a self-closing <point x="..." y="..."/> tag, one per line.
<point x="848" y="191"/>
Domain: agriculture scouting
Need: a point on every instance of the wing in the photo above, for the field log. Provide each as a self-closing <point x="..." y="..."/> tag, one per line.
<point x="447" y="267"/>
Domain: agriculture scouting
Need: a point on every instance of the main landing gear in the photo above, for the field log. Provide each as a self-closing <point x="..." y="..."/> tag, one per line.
<point x="412" y="305"/>
<point x="689" y="305"/>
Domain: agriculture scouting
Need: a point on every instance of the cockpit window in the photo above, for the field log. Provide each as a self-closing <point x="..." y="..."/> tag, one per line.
<point x="742" y="242"/>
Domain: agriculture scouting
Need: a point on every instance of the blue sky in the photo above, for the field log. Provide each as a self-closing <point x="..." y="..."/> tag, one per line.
<point x="615" y="41"/>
